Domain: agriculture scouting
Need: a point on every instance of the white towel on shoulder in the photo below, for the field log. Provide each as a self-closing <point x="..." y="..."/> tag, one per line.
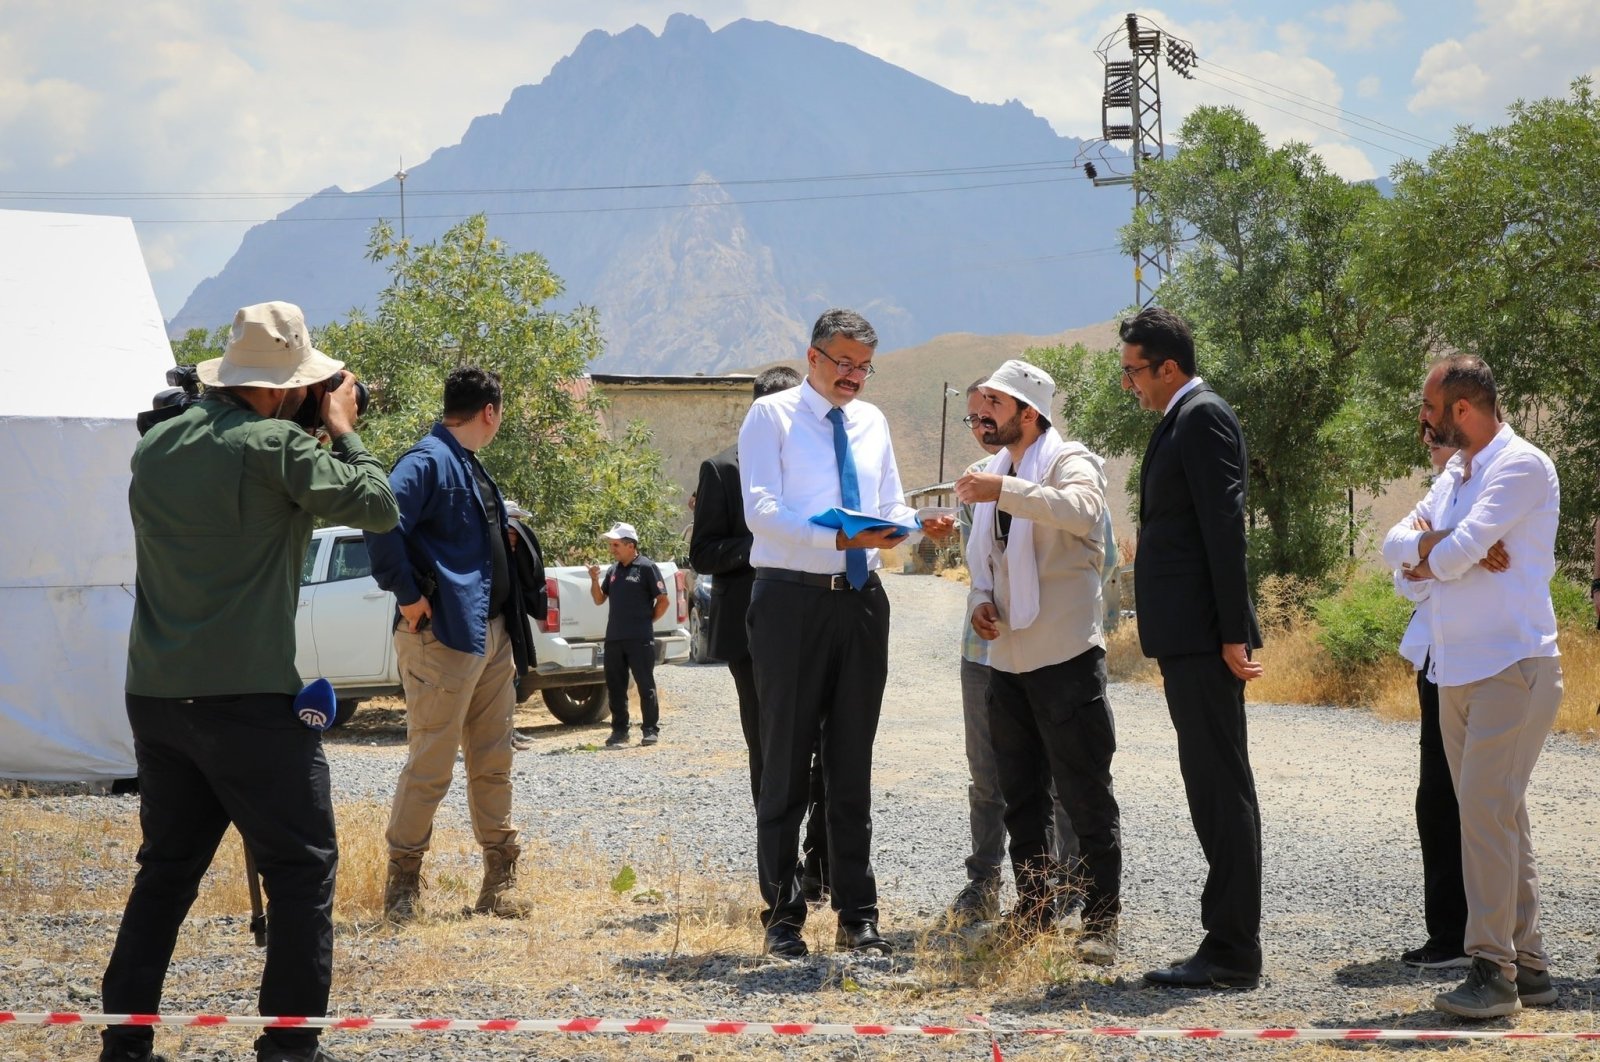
<point x="1023" y="567"/>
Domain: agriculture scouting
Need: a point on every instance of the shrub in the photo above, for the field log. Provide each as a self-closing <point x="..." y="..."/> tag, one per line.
<point x="1571" y="601"/>
<point x="1362" y="623"/>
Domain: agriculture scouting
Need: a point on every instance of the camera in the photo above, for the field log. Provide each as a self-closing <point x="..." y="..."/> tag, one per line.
<point x="309" y="415"/>
<point x="181" y="392"/>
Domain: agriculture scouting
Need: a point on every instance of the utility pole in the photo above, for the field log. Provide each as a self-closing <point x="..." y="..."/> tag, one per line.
<point x="944" y="419"/>
<point x="401" y="175"/>
<point x="1130" y="110"/>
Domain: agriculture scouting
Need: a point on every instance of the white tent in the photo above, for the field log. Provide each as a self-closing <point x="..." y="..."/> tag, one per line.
<point x="82" y="350"/>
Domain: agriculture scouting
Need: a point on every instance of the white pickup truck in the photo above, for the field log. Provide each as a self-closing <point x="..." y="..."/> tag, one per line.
<point x="344" y="631"/>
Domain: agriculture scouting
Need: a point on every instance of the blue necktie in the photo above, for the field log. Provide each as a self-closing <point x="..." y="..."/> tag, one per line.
<point x="855" y="560"/>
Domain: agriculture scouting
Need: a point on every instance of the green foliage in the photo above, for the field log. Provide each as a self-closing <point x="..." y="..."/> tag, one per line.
<point x="1266" y="237"/>
<point x="1093" y="407"/>
<point x="1490" y="248"/>
<point x="625" y="880"/>
<point x="198" y="345"/>
<point x="1573" y="606"/>
<point x="467" y="299"/>
<point x="1363" y="622"/>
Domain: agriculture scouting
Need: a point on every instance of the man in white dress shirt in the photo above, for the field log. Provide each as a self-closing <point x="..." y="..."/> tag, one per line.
<point x="1494" y="657"/>
<point x="819" y="622"/>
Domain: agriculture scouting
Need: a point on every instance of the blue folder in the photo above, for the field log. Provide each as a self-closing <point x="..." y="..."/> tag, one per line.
<point x="852" y="523"/>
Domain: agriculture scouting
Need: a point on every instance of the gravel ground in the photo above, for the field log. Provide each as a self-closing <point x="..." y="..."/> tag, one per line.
<point x="1342" y="891"/>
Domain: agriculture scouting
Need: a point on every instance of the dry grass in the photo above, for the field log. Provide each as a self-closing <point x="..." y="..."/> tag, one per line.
<point x="1125" y="662"/>
<point x="1299" y="671"/>
<point x="674" y="923"/>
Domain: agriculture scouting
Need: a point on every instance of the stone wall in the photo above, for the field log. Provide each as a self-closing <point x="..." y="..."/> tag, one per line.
<point x="691" y="417"/>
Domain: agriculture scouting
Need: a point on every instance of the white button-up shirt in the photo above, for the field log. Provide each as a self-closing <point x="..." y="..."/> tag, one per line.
<point x="1194" y="381"/>
<point x="789" y="474"/>
<point x="1480" y="622"/>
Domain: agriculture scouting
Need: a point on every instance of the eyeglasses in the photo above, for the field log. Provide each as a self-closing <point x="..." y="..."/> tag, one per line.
<point x="971" y="419"/>
<point x="847" y="368"/>
<point x="1129" y="370"/>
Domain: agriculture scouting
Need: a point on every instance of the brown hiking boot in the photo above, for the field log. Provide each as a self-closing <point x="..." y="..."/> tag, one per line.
<point x="402" y="889"/>
<point x="499" y="878"/>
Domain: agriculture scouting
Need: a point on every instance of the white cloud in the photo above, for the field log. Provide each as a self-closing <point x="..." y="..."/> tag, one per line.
<point x="1369" y="87"/>
<point x="1519" y="48"/>
<point x="1448" y="78"/>
<point x="1361" y="20"/>
<point x="1040" y="53"/>
<point x="1293" y="38"/>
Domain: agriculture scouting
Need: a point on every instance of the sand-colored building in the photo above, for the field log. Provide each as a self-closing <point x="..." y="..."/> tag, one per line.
<point x="691" y="417"/>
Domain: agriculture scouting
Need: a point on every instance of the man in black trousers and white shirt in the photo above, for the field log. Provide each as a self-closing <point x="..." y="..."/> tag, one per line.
<point x="819" y="622"/>
<point x="719" y="546"/>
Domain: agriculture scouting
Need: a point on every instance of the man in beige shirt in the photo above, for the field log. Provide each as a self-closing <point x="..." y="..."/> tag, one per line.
<point x="1035" y="554"/>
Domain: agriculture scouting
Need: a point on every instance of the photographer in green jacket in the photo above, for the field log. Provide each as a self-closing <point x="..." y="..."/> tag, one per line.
<point x="223" y="499"/>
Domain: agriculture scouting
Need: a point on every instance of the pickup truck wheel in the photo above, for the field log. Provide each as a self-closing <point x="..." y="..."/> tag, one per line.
<point x="343" y="710"/>
<point x="574" y="705"/>
<point x="699" y="636"/>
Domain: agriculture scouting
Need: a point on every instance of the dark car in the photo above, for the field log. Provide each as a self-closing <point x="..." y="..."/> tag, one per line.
<point x="700" y="606"/>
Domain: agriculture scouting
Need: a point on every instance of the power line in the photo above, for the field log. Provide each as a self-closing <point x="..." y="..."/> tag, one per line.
<point x="363" y="219"/>
<point x="1332" y="111"/>
<point x="963" y="265"/>
<point x="1302" y="117"/>
<point x="1353" y="114"/>
<point x="880" y="175"/>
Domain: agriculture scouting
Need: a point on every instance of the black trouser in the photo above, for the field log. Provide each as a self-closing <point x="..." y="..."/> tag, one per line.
<point x="814" y="849"/>
<point x="1444" y="896"/>
<point x="203" y="764"/>
<point x="821" y="660"/>
<point x="1206" y="702"/>
<point x="636" y="655"/>
<point x="1054" y="724"/>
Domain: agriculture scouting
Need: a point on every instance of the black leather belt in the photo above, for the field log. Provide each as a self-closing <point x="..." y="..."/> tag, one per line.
<point x="821" y="582"/>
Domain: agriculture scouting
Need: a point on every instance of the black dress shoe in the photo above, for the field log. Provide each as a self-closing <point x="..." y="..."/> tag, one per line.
<point x="861" y="936"/>
<point x="1196" y="972"/>
<point x="785" y="942"/>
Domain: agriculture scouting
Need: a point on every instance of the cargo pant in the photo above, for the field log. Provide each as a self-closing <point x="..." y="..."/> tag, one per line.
<point x="454" y="700"/>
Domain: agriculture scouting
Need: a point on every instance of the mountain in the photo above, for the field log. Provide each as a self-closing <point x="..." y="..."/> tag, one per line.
<point x="712" y="192"/>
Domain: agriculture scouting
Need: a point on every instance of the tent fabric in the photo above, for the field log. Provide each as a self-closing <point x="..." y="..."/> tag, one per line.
<point x="84" y="351"/>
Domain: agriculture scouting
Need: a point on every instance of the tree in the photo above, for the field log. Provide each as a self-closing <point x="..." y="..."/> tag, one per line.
<point x="1266" y="239"/>
<point x="1493" y="248"/>
<point x="468" y="300"/>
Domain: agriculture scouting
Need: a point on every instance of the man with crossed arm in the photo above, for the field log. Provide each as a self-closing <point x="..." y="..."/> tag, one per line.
<point x="1496" y="662"/>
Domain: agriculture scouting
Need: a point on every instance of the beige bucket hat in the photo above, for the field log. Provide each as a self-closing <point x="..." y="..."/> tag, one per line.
<point x="1028" y="384"/>
<point x="270" y="347"/>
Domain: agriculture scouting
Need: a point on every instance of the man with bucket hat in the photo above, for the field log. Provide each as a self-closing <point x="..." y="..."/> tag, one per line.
<point x="1035" y="554"/>
<point x="223" y="498"/>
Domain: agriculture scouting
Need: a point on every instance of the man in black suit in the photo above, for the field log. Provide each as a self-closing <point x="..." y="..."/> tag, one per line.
<point x="719" y="546"/>
<point x="1196" y="619"/>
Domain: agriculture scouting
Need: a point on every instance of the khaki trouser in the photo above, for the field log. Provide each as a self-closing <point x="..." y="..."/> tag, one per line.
<point x="454" y="700"/>
<point x="1493" y="730"/>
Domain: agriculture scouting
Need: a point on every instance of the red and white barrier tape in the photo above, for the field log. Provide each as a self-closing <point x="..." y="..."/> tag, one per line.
<point x="1117" y="1031"/>
<point x="571" y="1025"/>
<point x="751" y="1028"/>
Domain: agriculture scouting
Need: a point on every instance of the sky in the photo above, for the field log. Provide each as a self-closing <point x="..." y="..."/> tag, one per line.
<point x="199" y="117"/>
